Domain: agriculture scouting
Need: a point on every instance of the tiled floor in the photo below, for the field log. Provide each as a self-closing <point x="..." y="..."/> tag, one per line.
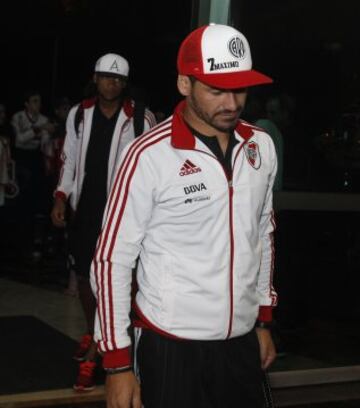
<point x="325" y="336"/>
<point x="58" y="310"/>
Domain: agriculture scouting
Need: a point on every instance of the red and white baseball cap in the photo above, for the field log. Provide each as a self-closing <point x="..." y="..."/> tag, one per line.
<point x="219" y="56"/>
<point x="112" y="64"/>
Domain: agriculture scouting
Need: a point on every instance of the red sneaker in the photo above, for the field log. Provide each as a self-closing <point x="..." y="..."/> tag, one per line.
<point x="83" y="348"/>
<point x="85" y="380"/>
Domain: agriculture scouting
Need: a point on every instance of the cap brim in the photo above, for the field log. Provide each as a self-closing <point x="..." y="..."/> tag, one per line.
<point x="234" y="80"/>
<point x="110" y="74"/>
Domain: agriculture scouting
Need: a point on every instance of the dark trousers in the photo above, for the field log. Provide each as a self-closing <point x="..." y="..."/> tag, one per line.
<point x="83" y="235"/>
<point x="31" y="177"/>
<point x="200" y="374"/>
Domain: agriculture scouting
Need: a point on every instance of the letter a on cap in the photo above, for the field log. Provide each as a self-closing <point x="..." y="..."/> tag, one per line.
<point x="114" y="66"/>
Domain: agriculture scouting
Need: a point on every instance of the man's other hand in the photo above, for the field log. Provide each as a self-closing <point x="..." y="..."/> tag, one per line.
<point x="58" y="213"/>
<point x="122" y="391"/>
<point x="267" y="347"/>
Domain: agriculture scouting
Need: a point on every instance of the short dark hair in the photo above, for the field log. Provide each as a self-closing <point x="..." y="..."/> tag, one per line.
<point x="192" y="79"/>
<point x="29" y="93"/>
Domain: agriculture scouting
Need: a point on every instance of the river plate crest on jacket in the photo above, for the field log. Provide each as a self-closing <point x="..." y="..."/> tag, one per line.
<point x="252" y="153"/>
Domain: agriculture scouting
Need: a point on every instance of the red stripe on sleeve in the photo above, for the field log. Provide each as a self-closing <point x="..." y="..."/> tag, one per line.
<point x="105" y="266"/>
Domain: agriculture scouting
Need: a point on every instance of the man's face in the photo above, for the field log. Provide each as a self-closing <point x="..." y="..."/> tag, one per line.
<point x="109" y="87"/>
<point x="33" y="104"/>
<point x="217" y="108"/>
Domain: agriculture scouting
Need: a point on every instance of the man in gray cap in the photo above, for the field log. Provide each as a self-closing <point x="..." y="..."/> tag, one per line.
<point x="97" y="130"/>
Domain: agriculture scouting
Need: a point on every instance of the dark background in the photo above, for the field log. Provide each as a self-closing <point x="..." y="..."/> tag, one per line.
<point x="53" y="45"/>
<point x="311" y="48"/>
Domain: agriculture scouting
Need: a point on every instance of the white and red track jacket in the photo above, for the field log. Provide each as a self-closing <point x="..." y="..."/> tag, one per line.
<point x="77" y="141"/>
<point x="204" y="242"/>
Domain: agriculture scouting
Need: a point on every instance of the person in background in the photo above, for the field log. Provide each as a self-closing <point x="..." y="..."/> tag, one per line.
<point x="256" y="113"/>
<point x="32" y="132"/>
<point x="193" y="201"/>
<point x="281" y="109"/>
<point x="62" y="106"/>
<point x="97" y="130"/>
<point x="6" y="130"/>
<point x="4" y="162"/>
<point x="5" y="157"/>
<point x="57" y="238"/>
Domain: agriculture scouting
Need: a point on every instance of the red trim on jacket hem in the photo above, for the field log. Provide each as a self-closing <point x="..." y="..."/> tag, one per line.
<point x="144" y="323"/>
<point x="265" y="313"/>
<point x="117" y="358"/>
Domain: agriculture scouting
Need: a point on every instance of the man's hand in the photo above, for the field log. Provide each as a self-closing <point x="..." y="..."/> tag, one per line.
<point x="267" y="347"/>
<point x="58" y="213"/>
<point x="122" y="391"/>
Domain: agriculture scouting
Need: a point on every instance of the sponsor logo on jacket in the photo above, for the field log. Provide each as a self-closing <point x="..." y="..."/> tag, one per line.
<point x="194" y="188"/>
<point x="197" y="199"/>
<point x="189" y="168"/>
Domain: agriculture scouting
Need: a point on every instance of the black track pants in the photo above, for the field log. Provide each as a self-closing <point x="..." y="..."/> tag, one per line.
<point x="200" y="374"/>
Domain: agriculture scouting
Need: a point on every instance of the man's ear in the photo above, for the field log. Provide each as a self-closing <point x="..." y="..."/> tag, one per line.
<point x="184" y="85"/>
<point x="94" y="78"/>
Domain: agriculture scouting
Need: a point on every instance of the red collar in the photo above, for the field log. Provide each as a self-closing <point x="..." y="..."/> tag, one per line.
<point x="182" y="137"/>
<point x="88" y="103"/>
<point x="127" y="106"/>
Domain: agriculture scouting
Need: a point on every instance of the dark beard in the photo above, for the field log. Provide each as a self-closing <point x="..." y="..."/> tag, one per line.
<point x="207" y="119"/>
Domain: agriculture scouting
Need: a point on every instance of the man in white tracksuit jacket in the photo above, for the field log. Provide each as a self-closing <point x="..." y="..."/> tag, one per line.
<point x="193" y="199"/>
<point x="97" y="130"/>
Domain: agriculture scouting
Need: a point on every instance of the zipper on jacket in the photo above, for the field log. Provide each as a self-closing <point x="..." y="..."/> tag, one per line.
<point x="231" y="283"/>
<point x="231" y="193"/>
<point x="231" y="277"/>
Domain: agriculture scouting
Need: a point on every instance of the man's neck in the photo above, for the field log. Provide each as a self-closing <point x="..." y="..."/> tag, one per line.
<point x="108" y="108"/>
<point x="206" y="130"/>
<point x="223" y="140"/>
<point x="33" y="116"/>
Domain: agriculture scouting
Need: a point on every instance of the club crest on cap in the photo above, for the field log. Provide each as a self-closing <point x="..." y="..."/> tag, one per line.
<point x="237" y="47"/>
<point x="219" y="56"/>
<point x="252" y="153"/>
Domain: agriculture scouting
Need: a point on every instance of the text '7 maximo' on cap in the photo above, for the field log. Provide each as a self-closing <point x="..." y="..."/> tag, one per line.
<point x="219" y="56"/>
